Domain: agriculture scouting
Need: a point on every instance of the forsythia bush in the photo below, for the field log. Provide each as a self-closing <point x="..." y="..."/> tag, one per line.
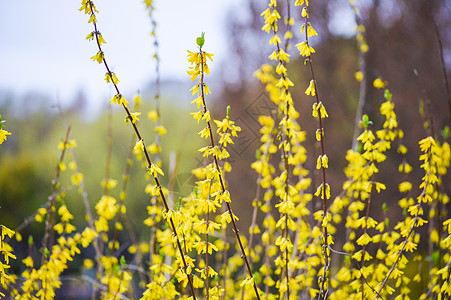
<point x="295" y="253"/>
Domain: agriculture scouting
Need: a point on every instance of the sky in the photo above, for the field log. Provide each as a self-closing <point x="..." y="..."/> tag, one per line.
<point x="43" y="46"/>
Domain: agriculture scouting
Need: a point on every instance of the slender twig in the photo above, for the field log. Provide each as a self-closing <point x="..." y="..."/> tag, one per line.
<point x="363" y="80"/>
<point x="151" y="8"/>
<point x="368" y="205"/>
<point x="52" y="200"/>
<point x="224" y="260"/>
<point x="28" y="221"/>
<point x="287" y="41"/>
<point x="207" y="285"/>
<point x="146" y="154"/>
<point x="265" y="154"/>
<point x="257" y="197"/>
<point x="109" y="151"/>
<point x="323" y="170"/>
<point x="267" y="258"/>
<point x="220" y="176"/>
<point x="125" y="179"/>
<point x="358" y="266"/>
<point x="156" y="56"/>
<point x="442" y="59"/>
<point x="415" y="221"/>
<point x="287" y="141"/>
<point x="84" y="194"/>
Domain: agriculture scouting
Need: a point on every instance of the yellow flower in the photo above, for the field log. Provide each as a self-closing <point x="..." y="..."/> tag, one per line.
<point x="198" y="101"/>
<point x="326" y="192"/>
<point x="154" y="148"/>
<point x="322" y="161"/>
<point x="321" y="109"/>
<point x="61" y="166"/>
<point x="76" y="178"/>
<point x="160" y="130"/>
<point x="137" y="99"/>
<point x="310" y="31"/>
<point x="281" y="69"/>
<point x="134" y="117"/>
<point x="225" y="139"/>
<point x="247" y="281"/>
<point x="90" y="36"/>
<point x="305" y="49"/>
<point x="318" y="135"/>
<point x="111" y="77"/>
<point x="209" y="55"/>
<point x="201" y="248"/>
<point x="40" y="215"/>
<point x="206" y="116"/>
<point x="192" y="57"/>
<point x="304" y="12"/>
<point x="109" y="183"/>
<point x="225" y="217"/>
<point x="405" y="187"/>
<point x="106" y="207"/>
<point x="88" y="263"/>
<point x="195" y="89"/>
<point x="284" y="82"/>
<point x="426" y="143"/>
<point x="139" y="146"/>
<point x="358" y="76"/>
<point x="118" y="99"/>
<point x="6" y="231"/>
<point x="98" y="57"/>
<point x="203" y="227"/>
<point x="87" y="236"/>
<point x="154" y="169"/>
<point x="28" y="262"/>
<point x="69" y="144"/>
<point x="364" y="239"/>
<point x="204" y="133"/>
<point x="283" y="55"/>
<point x="364" y="47"/>
<point x="3" y="134"/>
<point x="222" y="125"/>
<point x="152" y="115"/>
<point x="378" y="83"/>
<point x="288" y="35"/>
<point x="197" y="115"/>
<point x="402" y="149"/>
<point x="299" y="3"/>
<point x="275" y="40"/>
<point x="311" y="90"/>
<point x="66" y="216"/>
<point x="92" y="19"/>
<point x="100" y="38"/>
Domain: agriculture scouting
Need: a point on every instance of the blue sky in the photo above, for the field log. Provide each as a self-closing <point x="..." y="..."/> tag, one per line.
<point x="43" y="46"/>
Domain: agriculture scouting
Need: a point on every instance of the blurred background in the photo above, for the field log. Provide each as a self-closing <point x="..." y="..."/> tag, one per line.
<point x="45" y="63"/>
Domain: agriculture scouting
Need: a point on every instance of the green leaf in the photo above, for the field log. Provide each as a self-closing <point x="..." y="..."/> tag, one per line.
<point x="445" y="132"/>
<point x="387" y="95"/>
<point x="201" y="40"/>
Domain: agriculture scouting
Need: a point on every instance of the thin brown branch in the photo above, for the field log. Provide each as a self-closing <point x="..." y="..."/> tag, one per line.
<point x="218" y="169"/>
<point x="149" y="162"/>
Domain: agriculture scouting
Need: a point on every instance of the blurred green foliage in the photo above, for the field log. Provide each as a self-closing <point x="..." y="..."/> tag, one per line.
<point x="28" y="159"/>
